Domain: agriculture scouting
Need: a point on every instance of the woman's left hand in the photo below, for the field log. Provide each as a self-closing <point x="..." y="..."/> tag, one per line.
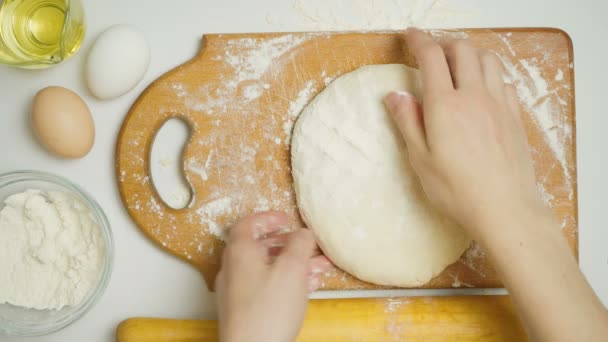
<point x="265" y="279"/>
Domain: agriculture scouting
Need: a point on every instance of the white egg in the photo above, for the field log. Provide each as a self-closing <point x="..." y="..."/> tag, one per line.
<point x="117" y="62"/>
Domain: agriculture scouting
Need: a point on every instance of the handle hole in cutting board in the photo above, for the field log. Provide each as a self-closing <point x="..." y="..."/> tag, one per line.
<point x="166" y="164"/>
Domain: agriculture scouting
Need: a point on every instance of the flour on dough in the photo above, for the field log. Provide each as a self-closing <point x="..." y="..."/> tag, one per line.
<point x="356" y="189"/>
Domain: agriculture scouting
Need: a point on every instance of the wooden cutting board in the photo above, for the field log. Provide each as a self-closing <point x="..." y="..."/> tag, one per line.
<point x="240" y="96"/>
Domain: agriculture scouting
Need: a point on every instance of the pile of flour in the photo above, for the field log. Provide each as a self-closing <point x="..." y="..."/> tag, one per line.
<point x="51" y="250"/>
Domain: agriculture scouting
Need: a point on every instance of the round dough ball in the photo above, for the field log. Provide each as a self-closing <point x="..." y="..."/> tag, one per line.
<point x="356" y="189"/>
<point x="62" y="122"/>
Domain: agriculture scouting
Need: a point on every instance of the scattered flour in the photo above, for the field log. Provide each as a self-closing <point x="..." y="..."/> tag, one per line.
<point x="197" y="168"/>
<point x="457" y="283"/>
<point x="295" y="108"/>
<point x="539" y="87"/>
<point x="258" y="57"/>
<point x="200" y="169"/>
<point x="473" y="257"/>
<point x="210" y="210"/>
<point x="51" y="250"/>
<point x="546" y="109"/>
<point x="252" y="92"/>
<point x="250" y="59"/>
<point x="394" y="325"/>
<point x="394" y="304"/>
<point x="545" y="195"/>
<point x="507" y="42"/>
<point x="355" y="15"/>
<point x="263" y="204"/>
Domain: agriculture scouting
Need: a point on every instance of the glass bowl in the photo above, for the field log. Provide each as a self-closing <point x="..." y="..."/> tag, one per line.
<point x="20" y="321"/>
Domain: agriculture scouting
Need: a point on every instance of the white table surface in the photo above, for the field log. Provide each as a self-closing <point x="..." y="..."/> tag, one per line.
<point x="148" y="282"/>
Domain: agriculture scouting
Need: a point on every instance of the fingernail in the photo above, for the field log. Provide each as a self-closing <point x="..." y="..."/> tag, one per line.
<point x="262" y="230"/>
<point x="393" y="99"/>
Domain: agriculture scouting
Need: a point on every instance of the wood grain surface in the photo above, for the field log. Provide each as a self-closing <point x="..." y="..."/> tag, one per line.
<point x="482" y="318"/>
<point x="240" y="96"/>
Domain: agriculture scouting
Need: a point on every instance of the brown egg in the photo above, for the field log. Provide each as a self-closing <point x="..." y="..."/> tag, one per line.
<point x="62" y="122"/>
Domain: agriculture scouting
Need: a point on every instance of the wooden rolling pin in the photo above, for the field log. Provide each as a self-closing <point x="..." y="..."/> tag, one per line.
<point x="458" y="318"/>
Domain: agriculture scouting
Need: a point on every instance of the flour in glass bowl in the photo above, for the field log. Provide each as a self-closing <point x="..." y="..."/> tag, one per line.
<point x="51" y="250"/>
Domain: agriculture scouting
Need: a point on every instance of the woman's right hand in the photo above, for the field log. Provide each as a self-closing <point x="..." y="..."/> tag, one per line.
<point x="466" y="140"/>
<point x="469" y="148"/>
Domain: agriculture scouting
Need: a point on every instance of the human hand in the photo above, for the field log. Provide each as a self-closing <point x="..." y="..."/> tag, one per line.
<point x="265" y="278"/>
<point x="468" y="146"/>
<point x="466" y="141"/>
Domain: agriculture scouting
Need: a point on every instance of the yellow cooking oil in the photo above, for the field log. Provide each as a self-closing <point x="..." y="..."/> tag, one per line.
<point x="40" y="33"/>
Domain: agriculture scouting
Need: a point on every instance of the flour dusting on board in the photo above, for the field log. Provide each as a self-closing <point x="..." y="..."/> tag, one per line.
<point x="472" y="258"/>
<point x="546" y="107"/>
<point x="458" y="283"/>
<point x="250" y="60"/>
<point x="210" y="210"/>
<point x="258" y="57"/>
<point x="295" y="108"/>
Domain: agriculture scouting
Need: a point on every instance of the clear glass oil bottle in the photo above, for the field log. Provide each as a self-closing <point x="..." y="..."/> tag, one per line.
<point x="40" y="33"/>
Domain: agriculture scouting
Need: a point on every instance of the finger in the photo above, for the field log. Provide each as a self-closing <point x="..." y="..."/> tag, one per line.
<point x="465" y="67"/>
<point x="513" y="105"/>
<point x="294" y="258"/>
<point x="257" y="225"/>
<point x="494" y="75"/>
<point x="243" y="252"/>
<point x="320" y="264"/>
<point x="243" y="257"/>
<point x="242" y="262"/>
<point x="407" y="114"/>
<point x="512" y="99"/>
<point x="434" y="70"/>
